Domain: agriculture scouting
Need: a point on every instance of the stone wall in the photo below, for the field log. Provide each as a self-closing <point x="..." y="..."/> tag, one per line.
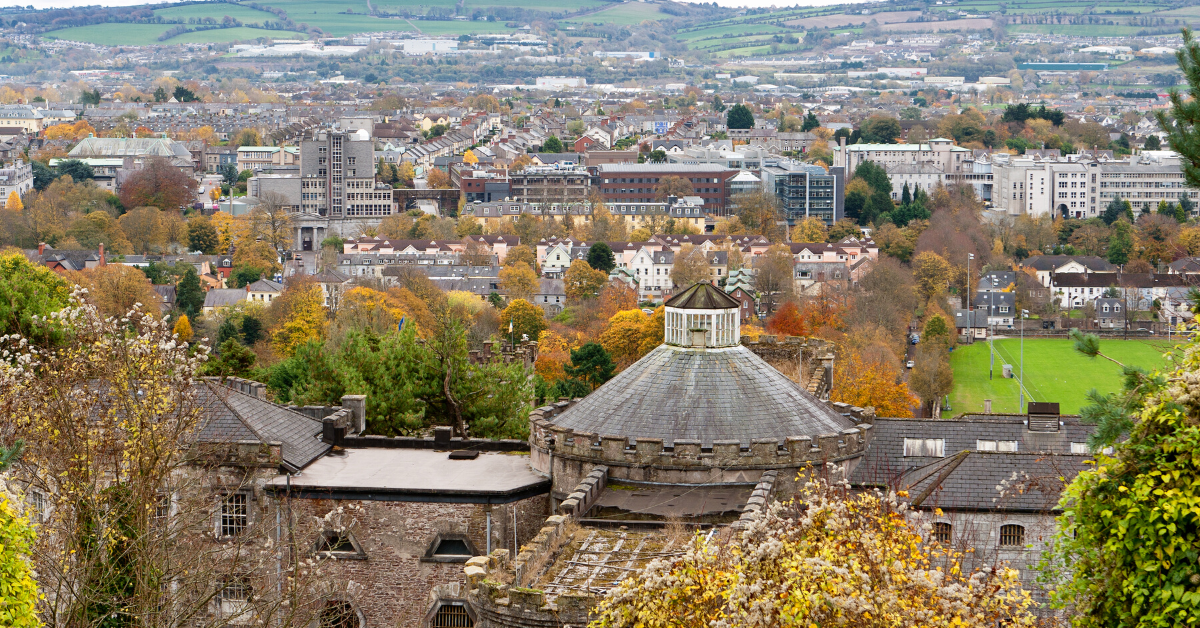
<point x="393" y="579"/>
<point x="575" y="454"/>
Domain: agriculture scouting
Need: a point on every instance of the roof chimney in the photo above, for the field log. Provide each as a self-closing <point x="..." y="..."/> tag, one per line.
<point x="102" y="262"/>
<point x="41" y="248"/>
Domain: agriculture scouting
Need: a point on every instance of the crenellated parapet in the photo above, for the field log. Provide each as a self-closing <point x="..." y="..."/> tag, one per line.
<point x="610" y="450"/>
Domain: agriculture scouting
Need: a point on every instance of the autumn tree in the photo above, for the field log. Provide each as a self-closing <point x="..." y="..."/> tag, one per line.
<point x="202" y="235"/>
<point x="773" y="278"/>
<point x="116" y="289"/>
<point x="183" y="328"/>
<point x="158" y="183"/>
<point x="99" y="227"/>
<point x="870" y="376"/>
<point x="524" y="319"/>
<point x="932" y="274"/>
<point x="809" y="230"/>
<point x="519" y="281"/>
<point x="932" y="378"/>
<point x="671" y="185"/>
<point x="145" y="229"/>
<point x="760" y="214"/>
<point x="831" y="557"/>
<point x="690" y="266"/>
<point x="14" y="202"/>
<point x="787" y="321"/>
<point x="623" y="337"/>
<point x="270" y="222"/>
<point x="104" y="534"/>
<point x="520" y="254"/>
<point x="437" y="179"/>
<point x="581" y="282"/>
<point x="300" y="315"/>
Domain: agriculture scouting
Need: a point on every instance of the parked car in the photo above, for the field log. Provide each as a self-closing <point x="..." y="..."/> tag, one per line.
<point x="915" y="338"/>
<point x="909" y="364"/>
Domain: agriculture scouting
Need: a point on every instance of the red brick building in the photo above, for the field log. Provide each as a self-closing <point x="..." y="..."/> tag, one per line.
<point x="638" y="183"/>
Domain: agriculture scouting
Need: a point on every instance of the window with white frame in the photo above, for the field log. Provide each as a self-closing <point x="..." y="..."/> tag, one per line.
<point x="995" y="445"/>
<point x="235" y="514"/>
<point x="1080" y="448"/>
<point x="234" y="599"/>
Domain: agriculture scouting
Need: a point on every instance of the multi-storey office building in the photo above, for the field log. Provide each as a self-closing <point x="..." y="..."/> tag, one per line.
<point x="806" y="190"/>
<point x="638" y="183"/>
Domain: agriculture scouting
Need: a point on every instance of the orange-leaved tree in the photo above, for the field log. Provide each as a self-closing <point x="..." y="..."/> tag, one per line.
<point x="864" y="382"/>
<point x="787" y="321"/>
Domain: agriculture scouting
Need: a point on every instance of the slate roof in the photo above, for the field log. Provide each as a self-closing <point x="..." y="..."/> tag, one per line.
<point x="265" y="285"/>
<point x="885" y="462"/>
<point x="1053" y="262"/>
<point x="702" y="296"/>
<point x="702" y="394"/>
<point x="224" y="297"/>
<point x="231" y="416"/>
<point x="986" y="480"/>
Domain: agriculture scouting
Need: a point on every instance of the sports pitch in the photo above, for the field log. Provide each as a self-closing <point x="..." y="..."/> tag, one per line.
<point x="1054" y="371"/>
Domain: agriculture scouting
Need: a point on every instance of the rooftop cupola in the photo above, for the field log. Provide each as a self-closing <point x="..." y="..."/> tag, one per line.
<point x="702" y="317"/>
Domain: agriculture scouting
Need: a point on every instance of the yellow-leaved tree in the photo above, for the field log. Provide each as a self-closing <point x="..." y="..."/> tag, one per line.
<point x="14" y="202"/>
<point x="300" y="316"/>
<point x="183" y="328"/>
<point x="829" y="558"/>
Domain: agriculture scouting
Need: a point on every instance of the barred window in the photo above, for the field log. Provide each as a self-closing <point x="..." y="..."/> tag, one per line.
<point x="235" y="514"/>
<point x="234" y="598"/>
<point x="162" y="506"/>
<point x="1012" y="535"/>
<point x="452" y="616"/>
<point x="941" y="532"/>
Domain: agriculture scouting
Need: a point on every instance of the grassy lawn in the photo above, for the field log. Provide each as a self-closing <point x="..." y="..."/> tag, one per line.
<point x="1054" y="371"/>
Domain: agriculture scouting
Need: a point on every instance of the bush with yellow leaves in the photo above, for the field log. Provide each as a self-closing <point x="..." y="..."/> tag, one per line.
<point x="830" y="558"/>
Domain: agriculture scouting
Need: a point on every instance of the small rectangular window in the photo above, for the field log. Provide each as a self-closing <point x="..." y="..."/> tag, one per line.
<point x="941" y="532"/>
<point x="1080" y="448"/>
<point x="930" y="447"/>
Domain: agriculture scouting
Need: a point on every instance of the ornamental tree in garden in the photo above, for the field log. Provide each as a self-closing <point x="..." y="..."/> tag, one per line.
<point x="838" y="560"/>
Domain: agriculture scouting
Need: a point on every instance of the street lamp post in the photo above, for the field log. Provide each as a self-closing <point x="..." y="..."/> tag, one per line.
<point x="1022" y="314"/>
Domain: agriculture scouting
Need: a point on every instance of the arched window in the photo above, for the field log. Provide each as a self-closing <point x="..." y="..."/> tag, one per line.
<point x="1012" y="535"/>
<point x="338" y="614"/>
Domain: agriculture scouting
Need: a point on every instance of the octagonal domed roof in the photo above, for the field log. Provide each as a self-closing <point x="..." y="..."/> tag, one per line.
<point x="684" y="393"/>
<point x="702" y="296"/>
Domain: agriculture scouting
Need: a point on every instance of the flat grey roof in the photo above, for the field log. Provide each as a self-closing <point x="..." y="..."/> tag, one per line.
<point x="417" y="475"/>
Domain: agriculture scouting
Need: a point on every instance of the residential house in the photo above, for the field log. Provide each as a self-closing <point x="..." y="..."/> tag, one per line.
<point x="1001" y="307"/>
<point x="551" y="296"/>
<point x="1110" y="313"/>
<point x="221" y="298"/>
<point x="264" y="291"/>
<point x="333" y="285"/>
<point x="971" y="324"/>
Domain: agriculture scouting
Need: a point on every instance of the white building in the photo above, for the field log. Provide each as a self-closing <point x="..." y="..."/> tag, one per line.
<point x="15" y="178"/>
<point x="559" y="82"/>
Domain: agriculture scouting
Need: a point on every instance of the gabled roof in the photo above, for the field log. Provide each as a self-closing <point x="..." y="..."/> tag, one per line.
<point x="987" y="480"/>
<point x="231" y="416"/>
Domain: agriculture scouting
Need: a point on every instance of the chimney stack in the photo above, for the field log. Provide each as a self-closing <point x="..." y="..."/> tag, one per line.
<point x="41" y="248"/>
<point x="102" y="262"/>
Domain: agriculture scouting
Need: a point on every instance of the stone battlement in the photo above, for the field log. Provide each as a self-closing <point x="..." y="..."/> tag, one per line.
<point x="793" y="451"/>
